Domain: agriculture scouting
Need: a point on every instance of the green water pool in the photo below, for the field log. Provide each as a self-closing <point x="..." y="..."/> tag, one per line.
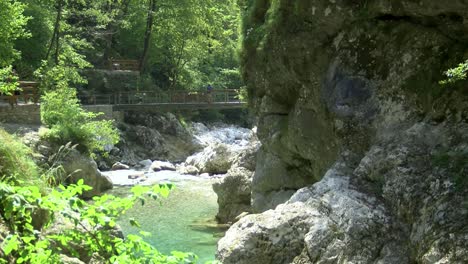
<point x="184" y="221"/>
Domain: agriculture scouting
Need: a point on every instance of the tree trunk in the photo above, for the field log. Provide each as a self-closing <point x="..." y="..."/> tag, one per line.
<point x="149" y="30"/>
<point x="56" y="35"/>
<point x="112" y="27"/>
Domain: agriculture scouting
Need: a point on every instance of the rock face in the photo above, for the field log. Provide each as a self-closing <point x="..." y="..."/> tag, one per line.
<point x="358" y="138"/>
<point x="233" y="194"/>
<point x="234" y="190"/>
<point x="155" y="137"/>
<point x="78" y="166"/>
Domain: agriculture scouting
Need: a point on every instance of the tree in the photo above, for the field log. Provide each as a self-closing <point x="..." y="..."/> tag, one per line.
<point x="12" y="22"/>
<point x="148" y="32"/>
<point x="192" y="42"/>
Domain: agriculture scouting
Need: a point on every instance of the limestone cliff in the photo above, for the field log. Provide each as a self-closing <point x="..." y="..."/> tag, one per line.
<point x="356" y="128"/>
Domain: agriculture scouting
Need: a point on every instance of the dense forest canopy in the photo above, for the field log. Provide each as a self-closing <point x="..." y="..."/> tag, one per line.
<point x="178" y="44"/>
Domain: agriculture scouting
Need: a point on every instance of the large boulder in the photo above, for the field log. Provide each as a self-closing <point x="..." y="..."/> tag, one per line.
<point x="187" y="169"/>
<point x="328" y="221"/>
<point x="158" y="165"/>
<point x="247" y="156"/>
<point x="216" y="158"/>
<point x="155" y="136"/>
<point x="79" y="166"/>
<point x="233" y="192"/>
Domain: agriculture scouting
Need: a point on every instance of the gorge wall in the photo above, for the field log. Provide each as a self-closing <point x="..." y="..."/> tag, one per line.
<point x="363" y="148"/>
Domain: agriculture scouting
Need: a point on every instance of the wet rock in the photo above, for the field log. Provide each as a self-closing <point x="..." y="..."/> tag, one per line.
<point x="162" y="165"/>
<point x="233" y="194"/>
<point x="120" y="166"/>
<point x="102" y="165"/>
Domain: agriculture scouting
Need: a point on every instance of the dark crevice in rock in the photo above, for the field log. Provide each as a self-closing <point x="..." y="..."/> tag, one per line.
<point x="453" y="17"/>
<point x="390" y="17"/>
<point x="275" y="114"/>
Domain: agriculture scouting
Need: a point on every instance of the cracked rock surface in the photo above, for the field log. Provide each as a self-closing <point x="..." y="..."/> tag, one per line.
<point x="364" y="154"/>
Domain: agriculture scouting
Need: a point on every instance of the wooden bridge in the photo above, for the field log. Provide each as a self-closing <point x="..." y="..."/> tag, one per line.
<point x="171" y="100"/>
<point x="28" y="92"/>
<point x="140" y="100"/>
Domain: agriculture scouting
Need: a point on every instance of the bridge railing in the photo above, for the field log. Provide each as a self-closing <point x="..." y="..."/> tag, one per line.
<point x="170" y="97"/>
<point x="123" y="65"/>
<point x="28" y="91"/>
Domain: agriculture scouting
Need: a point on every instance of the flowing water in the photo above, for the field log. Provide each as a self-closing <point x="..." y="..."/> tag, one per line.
<point x="185" y="221"/>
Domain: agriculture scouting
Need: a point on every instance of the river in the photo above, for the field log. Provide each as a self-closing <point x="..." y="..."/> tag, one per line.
<point x="185" y="221"/>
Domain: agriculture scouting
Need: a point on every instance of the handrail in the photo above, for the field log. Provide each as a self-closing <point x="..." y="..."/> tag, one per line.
<point x="28" y="91"/>
<point x="123" y="65"/>
<point x="170" y="97"/>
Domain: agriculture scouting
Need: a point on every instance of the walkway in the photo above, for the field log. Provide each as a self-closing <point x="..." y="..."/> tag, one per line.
<point x="173" y="100"/>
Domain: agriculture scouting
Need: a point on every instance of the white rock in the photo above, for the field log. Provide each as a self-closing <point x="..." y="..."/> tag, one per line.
<point x="162" y="165"/>
<point x="120" y="166"/>
<point x="187" y="169"/>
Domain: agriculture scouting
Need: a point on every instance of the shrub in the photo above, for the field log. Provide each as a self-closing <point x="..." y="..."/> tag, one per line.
<point x="8" y="81"/>
<point x="93" y="226"/>
<point x="68" y="122"/>
<point x="16" y="164"/>
<point x="456" y="74"/>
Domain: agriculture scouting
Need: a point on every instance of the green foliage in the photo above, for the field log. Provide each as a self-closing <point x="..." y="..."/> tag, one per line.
<point x="456" y="74"/>
<point x="16" y="165"/>
<point x="68" y="122"/>
<point x="8" y="81"/>
<point x="243" y="94"/>
<point x="34" y="48"/>
<point x="66" y="73"/>
<point x="12" y="22"/>
<point x="91" y="226"/>
<point x="194" y="43"/>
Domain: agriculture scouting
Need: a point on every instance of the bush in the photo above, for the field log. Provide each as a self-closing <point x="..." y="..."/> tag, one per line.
<point x="68" y="122"/>
<point x="8" y="81"/>
<point x="92" y="231"/>
<point x="16" y="164"/>
<point x="456" y="74"/>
